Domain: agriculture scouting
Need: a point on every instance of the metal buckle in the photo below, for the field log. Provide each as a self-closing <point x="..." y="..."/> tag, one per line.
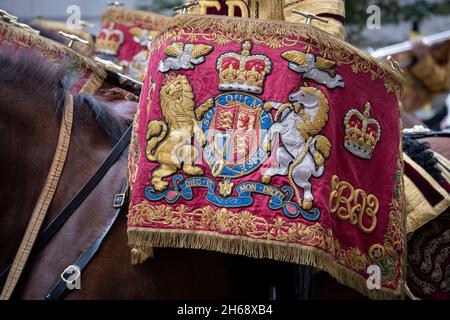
<point x="119" y="200"/>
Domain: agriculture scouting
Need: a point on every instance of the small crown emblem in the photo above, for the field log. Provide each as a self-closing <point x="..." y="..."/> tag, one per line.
<point x="362" y="132"/>
<point x="243" y="72"/>
<point x="109" y="41"/>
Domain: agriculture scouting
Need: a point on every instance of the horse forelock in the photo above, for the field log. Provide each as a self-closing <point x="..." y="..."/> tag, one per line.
<point x="22" y="70"/>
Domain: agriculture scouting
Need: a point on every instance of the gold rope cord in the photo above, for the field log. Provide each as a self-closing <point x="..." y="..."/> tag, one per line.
<point x="43" y="202"/>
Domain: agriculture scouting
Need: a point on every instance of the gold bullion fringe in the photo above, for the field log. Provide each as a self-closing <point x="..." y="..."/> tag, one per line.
<point x="143" y="240"/>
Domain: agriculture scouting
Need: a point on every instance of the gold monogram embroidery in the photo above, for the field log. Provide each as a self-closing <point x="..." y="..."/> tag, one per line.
<point x="353" y="204"/>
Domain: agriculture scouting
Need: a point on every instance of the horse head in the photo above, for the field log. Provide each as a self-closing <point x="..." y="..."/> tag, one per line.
<point x="305" y="97"/>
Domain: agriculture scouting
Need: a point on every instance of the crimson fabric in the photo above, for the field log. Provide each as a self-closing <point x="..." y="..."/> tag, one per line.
<point x="124" y="33"/>
<point x="197" y="214"/>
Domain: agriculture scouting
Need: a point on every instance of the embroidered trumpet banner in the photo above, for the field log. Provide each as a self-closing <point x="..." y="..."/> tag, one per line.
<point x="270" y="140"/>
<point x="123" y="38"/>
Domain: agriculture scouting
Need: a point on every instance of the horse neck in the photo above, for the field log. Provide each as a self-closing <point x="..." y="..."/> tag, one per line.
<point x="32" y="131"/>
<point x="27" y="146"/>
<point x="312" y="112"/>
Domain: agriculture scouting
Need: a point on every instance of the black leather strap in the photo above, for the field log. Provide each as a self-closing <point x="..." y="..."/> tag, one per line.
<point x="46" y="235"/>
<point x="428" y="134"/>
<point x="60" y="288"/>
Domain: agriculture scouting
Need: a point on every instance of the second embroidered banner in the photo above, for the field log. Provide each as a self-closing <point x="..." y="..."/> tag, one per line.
<point x="270" y="140"/>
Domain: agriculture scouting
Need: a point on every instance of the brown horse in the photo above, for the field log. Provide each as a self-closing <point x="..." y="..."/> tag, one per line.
<point x="32" y="97"/>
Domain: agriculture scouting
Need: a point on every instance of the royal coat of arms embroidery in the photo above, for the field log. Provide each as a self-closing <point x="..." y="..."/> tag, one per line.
<point x="241" y="124"/>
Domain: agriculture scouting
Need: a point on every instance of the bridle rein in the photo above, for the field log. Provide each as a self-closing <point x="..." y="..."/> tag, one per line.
<point x="31" y="241"/>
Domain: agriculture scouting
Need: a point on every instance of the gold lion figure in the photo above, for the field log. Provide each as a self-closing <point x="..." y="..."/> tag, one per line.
<point x="170" y="141"/>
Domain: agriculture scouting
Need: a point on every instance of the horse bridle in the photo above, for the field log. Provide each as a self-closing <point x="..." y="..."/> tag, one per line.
<point x="31" y="242"/>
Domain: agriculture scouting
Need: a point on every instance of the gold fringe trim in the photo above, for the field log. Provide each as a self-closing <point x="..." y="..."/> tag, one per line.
<point x="142" y="239"/>
<point x="53" y="51"/>
<point x="129" y="18"/>
<point x="256" y="29"/>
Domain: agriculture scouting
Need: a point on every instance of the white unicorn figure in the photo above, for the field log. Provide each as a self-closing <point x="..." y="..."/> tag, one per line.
<point x="303" y="151"/>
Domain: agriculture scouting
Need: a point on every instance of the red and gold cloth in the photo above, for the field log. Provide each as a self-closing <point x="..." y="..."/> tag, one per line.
<point x="270" y="140"/>
<point x="123" y="38"/>
<point x="91" y="76"/>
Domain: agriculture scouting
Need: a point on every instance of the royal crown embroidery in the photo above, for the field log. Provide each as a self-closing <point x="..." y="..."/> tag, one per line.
<point x="362" y="132"/>
<point x="109" y="40"/>
<point x="243" y="72"/>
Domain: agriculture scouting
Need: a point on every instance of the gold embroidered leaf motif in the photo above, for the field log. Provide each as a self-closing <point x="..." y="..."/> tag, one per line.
<point x="201" y="50"/>
<point x="295" y="56"/>
<point x="174" y="50"/>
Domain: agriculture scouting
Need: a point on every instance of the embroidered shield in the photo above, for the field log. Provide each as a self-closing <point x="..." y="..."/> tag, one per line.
<point x="234" y="128"/>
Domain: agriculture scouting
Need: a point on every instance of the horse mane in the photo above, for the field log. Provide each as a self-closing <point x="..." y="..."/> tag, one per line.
<point x="308" y="128"/>
<point x="22" y="70"/>
<point x="421" y="154"/>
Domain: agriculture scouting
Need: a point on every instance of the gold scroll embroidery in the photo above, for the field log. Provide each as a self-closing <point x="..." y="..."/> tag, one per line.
<point x="350" y="204"/>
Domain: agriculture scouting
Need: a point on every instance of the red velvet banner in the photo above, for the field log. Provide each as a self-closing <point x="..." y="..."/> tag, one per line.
<point x="123" y="38"/>
<point x="270" y="140"/>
